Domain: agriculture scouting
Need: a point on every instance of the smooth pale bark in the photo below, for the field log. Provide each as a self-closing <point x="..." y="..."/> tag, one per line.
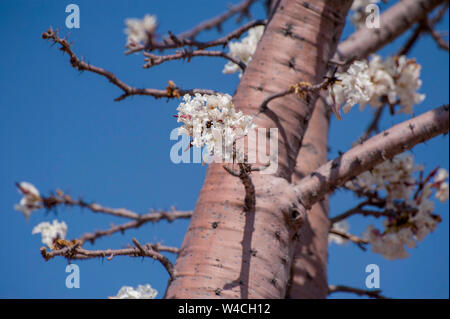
<point x="230" y="253"/>
<point x="309" y="270"/>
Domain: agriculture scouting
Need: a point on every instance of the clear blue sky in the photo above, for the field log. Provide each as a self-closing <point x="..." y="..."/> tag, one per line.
<point x="62" y="129"/>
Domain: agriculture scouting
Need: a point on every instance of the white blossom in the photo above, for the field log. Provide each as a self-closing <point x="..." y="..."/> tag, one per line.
<point x="341" y="226"/>
<point x="50" y="232"/>
<point x="212" y="121"/>
<point x="141" y="292"/>
<point x="30" y="200"/>
<point x="390" y="245"/>
<point x="394" y="80"/>
<point x="395" y="176"/>
<point x="354" y="87"/>
<point x="140" y="30"/>
<point x="407" y="82"/>
<point x="244" y="49"/>
<point x="413" y="223"/>
<point x="441" y="185"/>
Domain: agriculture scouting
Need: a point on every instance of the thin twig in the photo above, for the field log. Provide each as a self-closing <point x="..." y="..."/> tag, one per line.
<point x="147" y="250"/>
<point x="143" y="219"/>
<point x="53" y="201"/>
<point x="361" y="292"/>
<point x="128" y="90"/>
<point x="244" y="175"/>
<point x="179" y="42"/>
<point x="217" y="21"/>
<point x="374" y="124"/>
<point x="421" y="29"/>
<point x="300" y="89"/>
<point x="355" y="239"/>
<point x="153" y="59"/>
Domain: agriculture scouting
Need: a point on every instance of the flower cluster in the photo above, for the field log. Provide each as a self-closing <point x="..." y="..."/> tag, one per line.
<point x="142" y="292"/>
<point x="244" y="49"/>
<point x="212" y="121"/>
<point x="140" y="30"/>
<point x="359" y="15"/>
<point x="50" y="232"/>
<point x="394" y="80"/>
<point x="395" y="177"/>
<point x="31" y="199"/>
<point x="342" y="226"/>
<point x="408" y="202"/>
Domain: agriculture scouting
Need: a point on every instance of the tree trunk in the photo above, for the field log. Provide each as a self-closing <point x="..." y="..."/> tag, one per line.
<point x="231" y="253"/>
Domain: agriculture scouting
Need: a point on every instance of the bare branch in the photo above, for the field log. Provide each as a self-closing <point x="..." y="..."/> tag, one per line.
<point x="128" y="90"/>
<point x="424" y="25"/>
<point x="147" y="250"/>
<point x="179" y="42"/>
<point x="301" y="89"/>
<point x="53" y="201"/>
<point x="141" y="220"/>
<point x="216" y="22"/>
<point x="355" y="239"/>
<point x="364" y="156"/>
<point x="153" y="59"/>
<point x="373" y="126"/>
<point x="370" y="293"/>
<point x="245" y="170"/>
<point x="395" y="21"/>
<point x="436" y="36"/>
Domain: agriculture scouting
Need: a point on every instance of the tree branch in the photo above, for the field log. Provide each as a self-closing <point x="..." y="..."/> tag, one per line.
<point x="301" y="89"/>
<point x="143" y="219"/>
<point x="421" y="28"/>
<point x="394" y="21"/>
<point x="153" y="59"/>
<point x="217" y="21"/>
<point x="379" y="148"/>
<point x="128" y="90"/>
<point x="53" y="201"/>
<point x="179" y="42"/>
<point x="75" y="251"/>
<point x="355" y="239"/>
<point x="370" y="293"/>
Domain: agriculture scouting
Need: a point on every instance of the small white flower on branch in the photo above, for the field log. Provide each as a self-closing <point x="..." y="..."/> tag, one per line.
<point x="244" y="49"/>
<point x="140" y="30"/>
<point x="410" y="216"/>
<point x="30" y="201"/>
<point x="50" y="232"/>
<point x="353" y="87"/>
<point x="441" y="185"/>
<point x="212" y="121"/>
<point x="393" y="176"/>
<point x="394" y="81"/>
<point x="342" y="226"/>
<point x="141" y="292"/>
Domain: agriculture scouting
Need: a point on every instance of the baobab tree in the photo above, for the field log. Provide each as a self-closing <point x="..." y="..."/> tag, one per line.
<point x="261" y="225"/>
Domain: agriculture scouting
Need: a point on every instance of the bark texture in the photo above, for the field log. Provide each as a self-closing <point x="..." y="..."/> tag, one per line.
<point x="230" y="253"/>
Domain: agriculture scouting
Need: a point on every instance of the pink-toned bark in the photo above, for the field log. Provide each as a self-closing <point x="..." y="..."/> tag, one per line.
<point x="235" y="254"/>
